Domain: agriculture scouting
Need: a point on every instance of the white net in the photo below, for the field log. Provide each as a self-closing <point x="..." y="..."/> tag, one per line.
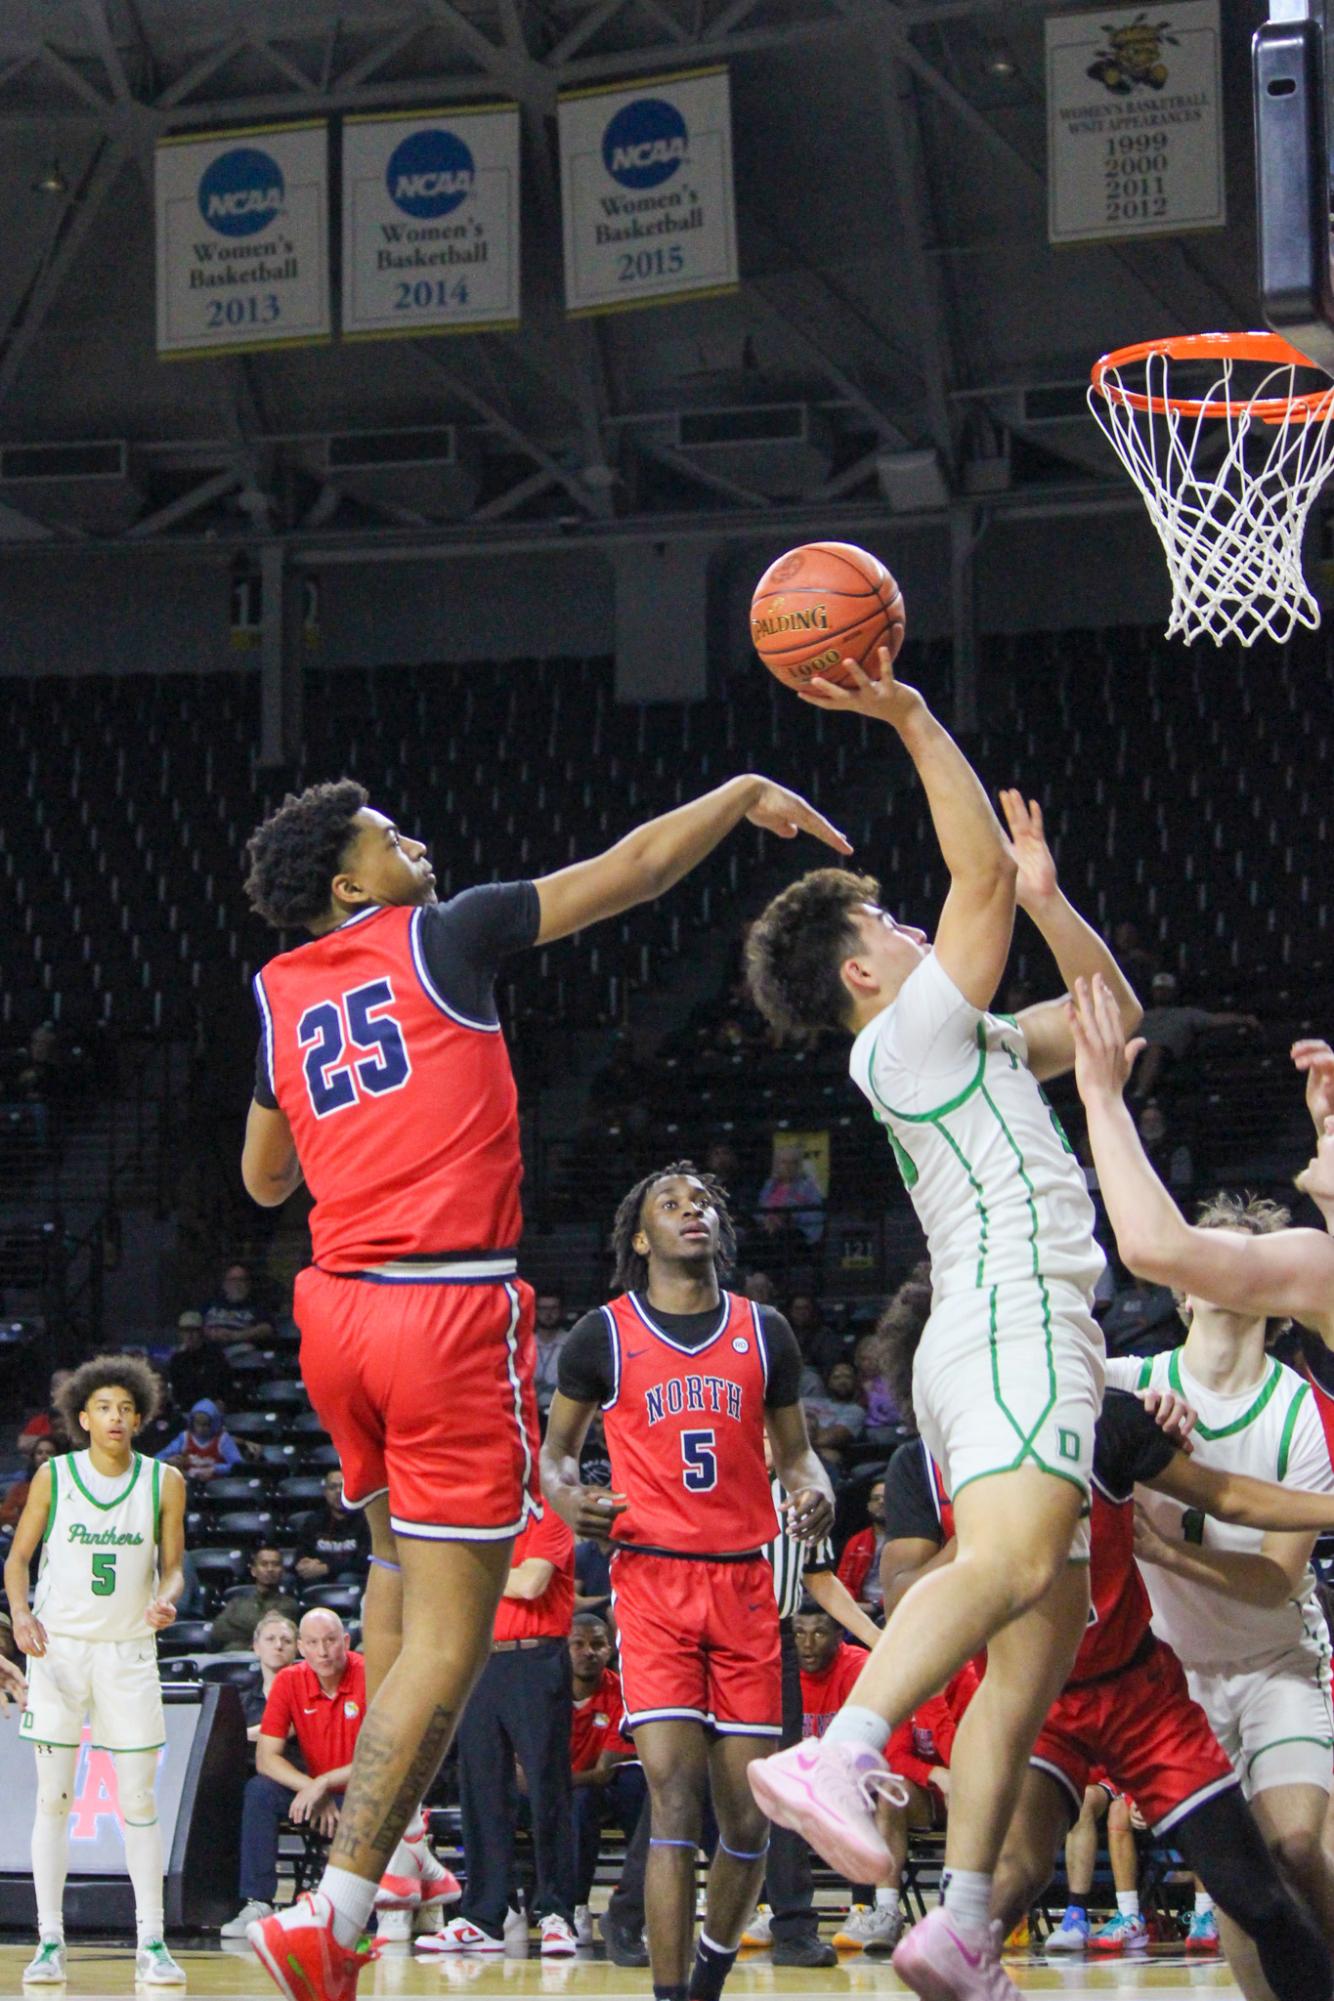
<point x="1227" y="490"/>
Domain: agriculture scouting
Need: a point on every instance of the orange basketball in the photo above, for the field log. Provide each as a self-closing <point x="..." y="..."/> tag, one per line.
<point x="822" y="604"/>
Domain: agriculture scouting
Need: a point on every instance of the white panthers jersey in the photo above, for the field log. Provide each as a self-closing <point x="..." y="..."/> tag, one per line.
<point x="991" y="1175"/>
<point x="99" y="1563"/>
<point x="1271" y="1431"/>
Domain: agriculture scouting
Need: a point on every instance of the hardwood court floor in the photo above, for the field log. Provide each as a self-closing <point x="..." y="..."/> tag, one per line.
<point x="100" y="1972"/>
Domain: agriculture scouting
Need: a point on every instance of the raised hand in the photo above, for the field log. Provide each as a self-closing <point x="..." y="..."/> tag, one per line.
<point x="1028" y="844"/>
<point x="787" y="814"/>
<point x="1316" y="1059"/>
<point x="887" y="700"/>
<point x="1103" y="1057"/>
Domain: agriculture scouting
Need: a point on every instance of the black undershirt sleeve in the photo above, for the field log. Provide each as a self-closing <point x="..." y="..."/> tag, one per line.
<point x="585" y="1371"/>
<point x="785" y="1363"/>
<point x="910" y="1505"/>
<point x="465" y="940"/>
<point x="1127" y="1445"/>
<point x="263" y="1089"/>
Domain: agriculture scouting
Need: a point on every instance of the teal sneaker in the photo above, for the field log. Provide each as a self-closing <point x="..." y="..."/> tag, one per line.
<point x="1120" y="1934"/>
<point x="1202" y="1932"/>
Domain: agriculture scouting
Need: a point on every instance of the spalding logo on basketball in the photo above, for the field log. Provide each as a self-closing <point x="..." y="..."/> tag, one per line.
<point x="820" y="605"/>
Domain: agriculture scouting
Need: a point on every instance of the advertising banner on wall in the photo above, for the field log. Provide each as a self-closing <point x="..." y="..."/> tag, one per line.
<point x="1134" y="122"/>
<point x="242" y="239"/>
<point x="431" y="222"/>
<point x="646" y="191"/>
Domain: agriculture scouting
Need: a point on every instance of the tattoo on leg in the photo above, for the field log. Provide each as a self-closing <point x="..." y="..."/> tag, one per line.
<point x="368" y="1826"/>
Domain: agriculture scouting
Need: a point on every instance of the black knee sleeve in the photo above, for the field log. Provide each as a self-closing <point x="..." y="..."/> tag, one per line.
<point x="1221" y="1842"/>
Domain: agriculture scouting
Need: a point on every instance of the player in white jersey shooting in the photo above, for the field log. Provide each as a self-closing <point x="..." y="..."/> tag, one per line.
<point x="110" y="1578"/>
<point x="1008" y="1380"/>
<point x="1238" y="1607"/>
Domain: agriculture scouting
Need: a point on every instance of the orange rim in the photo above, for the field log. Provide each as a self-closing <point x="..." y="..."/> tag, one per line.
<point x="1315" y="405"/>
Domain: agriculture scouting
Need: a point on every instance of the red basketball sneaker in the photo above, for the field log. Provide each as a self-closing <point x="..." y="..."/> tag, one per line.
<point x="299" y="1952"/>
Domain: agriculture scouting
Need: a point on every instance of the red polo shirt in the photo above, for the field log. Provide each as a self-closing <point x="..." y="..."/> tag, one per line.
<point x="325" y="1726"/>
<point x="823" y="1695"/>
<point x="595" y="1723"/>
<point x="548" y="1617"/>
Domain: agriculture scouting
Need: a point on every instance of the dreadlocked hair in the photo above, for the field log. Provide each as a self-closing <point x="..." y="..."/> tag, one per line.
<point x="106" y="1372"/>
<point x="898" y="1335"/>
<point x="797" y="945"/>
<point x="1257" y="1216"/>
<point x="296" y="852"/>
<point x="631" y="1269"/>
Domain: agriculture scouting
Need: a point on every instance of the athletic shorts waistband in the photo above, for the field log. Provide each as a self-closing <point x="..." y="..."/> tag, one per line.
<point x="618" y="1548"/>
<point x="476" y="1268"/>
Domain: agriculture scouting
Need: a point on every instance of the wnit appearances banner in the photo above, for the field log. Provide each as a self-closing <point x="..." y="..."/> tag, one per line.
<point x="646" y="192"/>
<point x="431" y="221"/>
<point x="242" y="239"/>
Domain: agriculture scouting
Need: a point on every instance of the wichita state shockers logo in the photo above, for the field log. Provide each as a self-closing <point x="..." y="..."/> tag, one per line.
<point x="1133" y="57"/>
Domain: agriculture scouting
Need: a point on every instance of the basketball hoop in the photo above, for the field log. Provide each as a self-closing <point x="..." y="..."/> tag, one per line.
<point x="1228" y="449"/>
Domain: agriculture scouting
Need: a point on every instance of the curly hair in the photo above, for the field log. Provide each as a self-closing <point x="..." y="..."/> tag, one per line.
<point x="898" y="1335"/>
<point x="1257" y="1216"/>
<point x="797" y="945"/>
<point x="630" y="1273"/>
<point x="106" y="1372"/>
<point x="296" y="852"/>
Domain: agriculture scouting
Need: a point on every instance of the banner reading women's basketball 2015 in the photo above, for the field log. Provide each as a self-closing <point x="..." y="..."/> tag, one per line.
<point x="431" y="221"/>
<point x="646" y="191"/>
<point x="242" y="239"/>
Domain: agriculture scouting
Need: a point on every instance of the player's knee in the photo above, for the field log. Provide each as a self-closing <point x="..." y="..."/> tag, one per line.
<point x="55" y="1800"/>
<point x="1118" y="1817"/>
<point x="678" y="1806"/>
<point x="138" y="1805"/>
<point x="1299" y="1854"/>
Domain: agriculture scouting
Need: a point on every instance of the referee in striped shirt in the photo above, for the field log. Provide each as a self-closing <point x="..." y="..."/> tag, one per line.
<point x="800" y="1570"/>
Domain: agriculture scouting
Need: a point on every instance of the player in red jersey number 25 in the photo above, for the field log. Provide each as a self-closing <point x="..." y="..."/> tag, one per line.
<point x="383" y="1082"/>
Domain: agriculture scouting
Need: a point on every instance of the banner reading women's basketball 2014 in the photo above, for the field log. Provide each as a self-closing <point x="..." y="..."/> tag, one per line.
<point x="646" y="191"/>
<point x="431" y="221"/>
<point x="242" y="239"/>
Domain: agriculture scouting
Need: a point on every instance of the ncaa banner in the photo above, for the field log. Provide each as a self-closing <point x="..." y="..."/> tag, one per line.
<point x="242" y="239"/>
<point x="431" y="222"/>
<point x="1134" y="122"/>
<point x="646" y="191"/>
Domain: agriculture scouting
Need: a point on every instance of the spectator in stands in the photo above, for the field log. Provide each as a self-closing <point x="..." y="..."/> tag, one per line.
<point x="198" y="1368"/>
<point x="12" y="1505"/>
<point x="1139" y="966"/>
<point x="320" y="1700"/>
<point x="609" y="1789"/>
<point x="592" y="1573"/>
<point x="884" y="1420"/>
<point x="205" y="1447"/>
<point x="859" y="1565"/>
<point x="830" y="1663"/>
<point x="45" y="1423"/>
<point x="820" y="1345"/>
<point x="1142" y="1319"/>
<point x="838" y="1418"/>
<point x="274" y="1648"/>
<point x="760" y="1289"/>
<point x="153" y="1438"/>
<point x="549" y="1329"/>
<point x="1170" y="1032"/>
<point x="723" y="1164"/>
<point x="234" y="1315"/>
<point x="335" y="1544"/>
<point x="791" y="1195"/>
<point x="234" y="1628"/>
<point x="1170" y="1155"/>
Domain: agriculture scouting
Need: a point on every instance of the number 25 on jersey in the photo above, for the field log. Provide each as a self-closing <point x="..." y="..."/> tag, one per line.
<point x="329" y="1033"/>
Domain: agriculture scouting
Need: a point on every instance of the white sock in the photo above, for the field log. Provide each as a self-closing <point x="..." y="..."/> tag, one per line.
<point x="1127" y="1902"/>
<point x="136" y="1774"/>
<point x="966" y="1895"/>
<point x="416" y="1827"/>
<point x="855" y="1725"/>
<point x="350" y="1898"/>
<point x="886" y="1897"/>
<point x="50" y="1835"/>
<point x="1204" y="1903"/>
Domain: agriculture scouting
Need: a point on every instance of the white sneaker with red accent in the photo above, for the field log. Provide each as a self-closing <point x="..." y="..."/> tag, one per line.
<point x="828" y="1793"/>
<point x="558" y="1939"/>
<point x="941" y="1963"/>
<point x="440" y="1888"/>
<point x="459" y="1935"/>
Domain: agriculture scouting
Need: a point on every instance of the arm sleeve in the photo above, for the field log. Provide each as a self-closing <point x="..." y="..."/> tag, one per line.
<point x="1127" y="1446"/>
<point x="785" y="1363"/>
<point x="910" y="1505"/>
<point x="584" y="1372"/>
<point x="463" y="942"/>
<point x="925" y="1046"/>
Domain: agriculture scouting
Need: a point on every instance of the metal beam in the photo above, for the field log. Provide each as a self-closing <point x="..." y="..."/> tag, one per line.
<point x="81" y="212"/>
<point x="181" y="509"/>
<point x="507" y="429"/>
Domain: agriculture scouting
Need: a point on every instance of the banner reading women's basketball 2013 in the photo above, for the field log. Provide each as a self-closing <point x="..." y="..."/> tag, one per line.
<point x="431" y="221"/>
<point x="242" y="239"/>
<point x="646" y="191"/>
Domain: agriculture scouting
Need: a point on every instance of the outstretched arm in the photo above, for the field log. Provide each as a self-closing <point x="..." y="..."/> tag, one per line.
<point x="1076" y="947"/>
<point x="1289" y="1272"/>
<point x="972" y="940"/>
<point x="1267" y="1577"/>
<point x="1235" y="1497"/>
<point x="832" y="1594"/>
<point x="650" y="859"/>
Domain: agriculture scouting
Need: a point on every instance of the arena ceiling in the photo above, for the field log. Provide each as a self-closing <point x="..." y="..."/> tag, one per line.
<point x="898" y="287"/>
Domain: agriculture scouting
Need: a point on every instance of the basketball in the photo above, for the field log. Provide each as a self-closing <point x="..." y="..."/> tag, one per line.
<point x="821" y="604"/>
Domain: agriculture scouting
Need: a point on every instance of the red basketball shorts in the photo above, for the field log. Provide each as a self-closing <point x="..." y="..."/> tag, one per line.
<point x="1142" y="1727"/>
<point x="427" y="1393"/>
<point x="699" y="1641"/>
